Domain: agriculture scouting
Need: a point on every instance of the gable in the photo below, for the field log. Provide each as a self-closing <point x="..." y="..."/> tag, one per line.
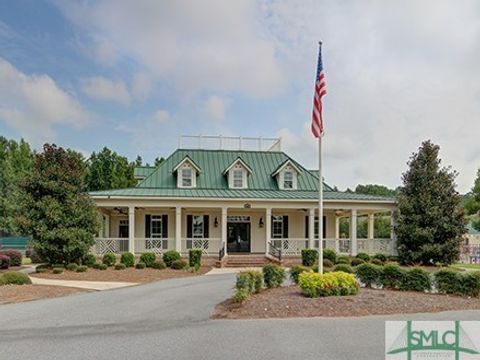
<point x="214" y="162"/>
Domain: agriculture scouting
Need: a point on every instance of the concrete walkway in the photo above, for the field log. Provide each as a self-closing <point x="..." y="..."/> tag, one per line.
<point x="91" y="285"/>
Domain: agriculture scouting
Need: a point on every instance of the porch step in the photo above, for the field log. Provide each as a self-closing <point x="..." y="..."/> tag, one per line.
<point x="233" y="261"/>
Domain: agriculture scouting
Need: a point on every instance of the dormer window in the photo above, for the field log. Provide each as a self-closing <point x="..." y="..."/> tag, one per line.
<point x="237" y="173"/>
<point x="187" y="177"/>
<point x="288" y="180"/>
<point x="238" y="178"/>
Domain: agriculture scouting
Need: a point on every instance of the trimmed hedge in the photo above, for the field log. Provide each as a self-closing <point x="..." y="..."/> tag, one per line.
<point x="343" y="259"/>
<point x="57" y="270"/>
<point x="120" y="266"/>
<point x="382" y="257"/>
<point x="148" y="258"/>
<point x="14" y="278"/>
<point x="451" y="282"/>
<point x="416" y="279"/>
<point x="329" y="284"/>
<point x="102" y="267"/>
<point x="273" y="275"/>
<point x="159" y="265"/>
<point x="195" y="258"/>
<point x="140" y="266"/>
<point x="14" y="255"/>
<point x="71" y="267"/>
<point x="327" y="263"/>
<point x="363" y="256"/>
<point x="179" y="264"/>
<point x="296" y="270"/>
<point x="89" y="260"/>
<point x="109" y="259"/>
<point x="4" y="262"/>
<point x="392" y="276"/>
<point x="369" y="274"/>
<point x="41" y="268"/>
<point x="357" y="261"/>
<point x="128" y="259"/>
<point x="170" y="256"/>
<point x="309" y="257"/>
<point x="344" y="268"/>
<point x="330" y="255"/>
<point x="248" y="282"/>
<point x="377" y="262"/>
<point x="82" y="268"/>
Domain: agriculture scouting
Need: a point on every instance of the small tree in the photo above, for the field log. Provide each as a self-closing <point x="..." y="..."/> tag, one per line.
<point x="61" y="218"/>
<point x="474" y="204"/>
<point x="431" y="221"/>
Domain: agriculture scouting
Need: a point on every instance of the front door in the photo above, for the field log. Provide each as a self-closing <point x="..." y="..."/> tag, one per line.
<point x="238" y="237"/>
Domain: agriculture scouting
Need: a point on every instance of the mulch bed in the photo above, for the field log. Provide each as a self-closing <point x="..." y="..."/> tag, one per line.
<point x="19" y="293"/>
<point x="286" y="302"/>
<point x="127" y="275"/>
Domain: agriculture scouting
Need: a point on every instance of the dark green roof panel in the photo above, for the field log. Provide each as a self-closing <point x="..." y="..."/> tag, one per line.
<point x="143" y="171"/>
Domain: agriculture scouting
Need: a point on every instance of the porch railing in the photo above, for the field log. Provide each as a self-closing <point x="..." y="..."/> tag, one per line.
<point x="207" y="245"/>
<point x="221" y="253"/>
<point x="156" y="245"/>
<point x="290" y="246"/>
<point x="114" y="245"/>
<point x="274" y="251"/>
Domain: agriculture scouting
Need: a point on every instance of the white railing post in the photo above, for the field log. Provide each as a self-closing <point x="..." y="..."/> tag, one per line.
<point x="178" y="229"/>
<point x="268" y="228"/>
<point x="223" y="240"/>
<point x="353" y="232"/>
<point x="131" y="229"/>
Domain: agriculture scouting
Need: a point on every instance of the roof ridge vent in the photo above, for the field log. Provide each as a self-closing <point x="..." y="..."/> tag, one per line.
<point x="220" y="142"/>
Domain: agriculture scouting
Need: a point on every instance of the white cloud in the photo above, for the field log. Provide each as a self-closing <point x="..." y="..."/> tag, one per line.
<point x="101" y="88"/>
<point x="215" y="107"/>
<point x="161" y="116"/>
<point x="34" y="104"/>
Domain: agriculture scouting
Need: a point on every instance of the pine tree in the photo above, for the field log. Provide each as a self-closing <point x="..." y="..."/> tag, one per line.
<point x="56" y="211"/>
<point x="431" y="221"/>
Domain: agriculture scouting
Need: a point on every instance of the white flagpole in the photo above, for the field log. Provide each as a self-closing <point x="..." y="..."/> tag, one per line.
<point x="320" y="207"/>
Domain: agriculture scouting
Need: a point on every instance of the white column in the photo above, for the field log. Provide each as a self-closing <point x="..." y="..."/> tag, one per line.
<point x="131" y="229"/>
<point x="337" y="233"/>
<point x="178" y="229"/>
<point x="268" y="228"/>
<point x="224" y="229"/>
<point x="371" y="226"/>
<point x="353" y="232"/>
<point x="311" y="228"/>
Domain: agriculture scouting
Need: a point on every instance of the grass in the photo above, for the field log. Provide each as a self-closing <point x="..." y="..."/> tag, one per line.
<point x="26" y="261"/>
<point x="467" y="266"/>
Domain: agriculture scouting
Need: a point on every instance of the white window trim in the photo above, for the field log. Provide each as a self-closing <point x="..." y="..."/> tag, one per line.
<point x="231" y="183"/>
<point x="156" y="218"/>
<point x="186" y="165"/>
<point x="281" y="178"/>
<point x="277" y="219"/>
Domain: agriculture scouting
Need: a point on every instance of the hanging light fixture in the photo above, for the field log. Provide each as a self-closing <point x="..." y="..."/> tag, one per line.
<point x="260" y="223"/>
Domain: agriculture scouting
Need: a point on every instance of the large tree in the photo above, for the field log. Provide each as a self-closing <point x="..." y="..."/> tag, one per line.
<point x="375" y="189"/>
<point x="473" y="203"/>
<point x="56" y="211"/>
<point x="108" y="170"/>
<point x="431" y="221"/>
<point x="16" y="162"/>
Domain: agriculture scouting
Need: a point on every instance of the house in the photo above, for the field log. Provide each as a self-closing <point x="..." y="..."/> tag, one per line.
<point x="231" y="202"/>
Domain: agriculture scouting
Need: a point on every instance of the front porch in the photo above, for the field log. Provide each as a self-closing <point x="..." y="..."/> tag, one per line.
<point x="218" y="231"/>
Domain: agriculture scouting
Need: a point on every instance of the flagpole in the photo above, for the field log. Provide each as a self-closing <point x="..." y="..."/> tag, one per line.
<point x="320" y="207"/>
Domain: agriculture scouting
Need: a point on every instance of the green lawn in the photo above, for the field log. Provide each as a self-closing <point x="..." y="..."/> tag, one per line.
<point x="467" y="266"/>
<point x="26" y="261"/>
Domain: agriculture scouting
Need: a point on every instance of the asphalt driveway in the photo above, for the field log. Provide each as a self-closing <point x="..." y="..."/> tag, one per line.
<point x="170" y="320"/>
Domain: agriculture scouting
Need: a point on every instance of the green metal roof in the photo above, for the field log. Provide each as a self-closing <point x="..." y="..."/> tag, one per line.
<point x="212" y="183"/>
<point x="143" y="171"/>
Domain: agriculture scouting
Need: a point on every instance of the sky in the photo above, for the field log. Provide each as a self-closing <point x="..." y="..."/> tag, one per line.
<point x="135" y="75"/>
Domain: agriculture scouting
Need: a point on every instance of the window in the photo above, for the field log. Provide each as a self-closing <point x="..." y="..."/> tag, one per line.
<point x="187" y="177"/>
<point x="197" y="226"/>
<point x="237" y="178"/>
<point x="156" y="226"/>
<point x="277" y="227"/>
<point x="288" y="180"/>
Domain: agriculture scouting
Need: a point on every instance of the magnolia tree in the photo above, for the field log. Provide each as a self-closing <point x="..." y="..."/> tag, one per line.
<point x="474" y="203"/>
<point x="57" y="212"/>
<point x="431" y="220"/>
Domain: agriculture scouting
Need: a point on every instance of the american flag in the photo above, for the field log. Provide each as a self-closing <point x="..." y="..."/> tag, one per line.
<point x="320" y="91"/>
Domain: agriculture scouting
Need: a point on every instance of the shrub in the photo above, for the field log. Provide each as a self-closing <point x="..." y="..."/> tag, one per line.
<point x="41" y="268"/>
<point x="170" y="256"/>
<point x="327" y="263"/>
<point x="58" y="266"/>
<point x="82" y="268"/>
<point x="392" y="276"/>
<point x="148" y="258"/>
<point x="89" y="260"/>
<point x="273" y="275"/>
<point x="343" y="259"/>
<point x="14" y="278"/>
<point x="377" y="262"/>
<point x="4" y="262"/>
<point x="447" y="281"/>
<point x="109" y="259"/>
<point x="34" y="257"/>
<point x="102" y="267"/>
<point x="330" y="255"/>
<point x="140" y="266"/>
<point x="309" y="257"/>
<point x="97" y="266"/>
<point x="159" y="265"/>
<point x="369" y="274"/>
<point x="72" y="267"/>
<point x="14" y="255"/>
<point x="364" y="256"/>
<point x="248" y="282"/>
<point x="470" y="284"/>
<point x="195" y="257"/>
<point x="416" y="279"/>
<point x="357" y="261"/>
<point x="240" y="296"/>
<point x="382" y="257"/>
<point x="57" y="270"/>
<point x="344" y="268"/>
<point x="295" y="271"/>
<point x="128" y="259"/>
<point x="179" y="264"/>
<point x="333" y="283"/>
<point x="120" y="266"/>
